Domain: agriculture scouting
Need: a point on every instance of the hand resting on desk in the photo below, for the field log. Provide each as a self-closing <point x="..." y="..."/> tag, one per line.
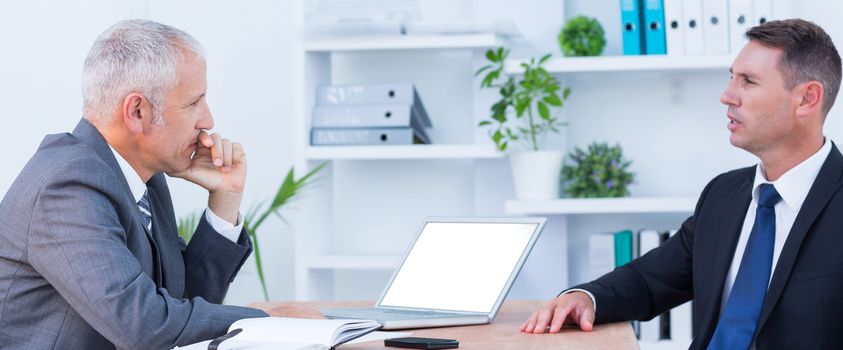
<point x="287" y="310"/>
<point x="573" y="308"/>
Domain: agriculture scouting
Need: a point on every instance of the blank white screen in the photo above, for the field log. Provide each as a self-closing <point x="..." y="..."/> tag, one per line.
<point x="459" y="266"/>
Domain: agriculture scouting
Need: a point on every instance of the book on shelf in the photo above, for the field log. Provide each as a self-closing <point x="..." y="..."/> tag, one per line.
<point x="294" y="333"/>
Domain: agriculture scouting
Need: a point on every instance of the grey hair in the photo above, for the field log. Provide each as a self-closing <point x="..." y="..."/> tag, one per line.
<point x="134" y="56"/>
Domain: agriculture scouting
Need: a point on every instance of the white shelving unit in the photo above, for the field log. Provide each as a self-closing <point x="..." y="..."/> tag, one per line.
<point x="620" y="64"/>
<point x="404" y="42"/>
<point x="318" y="257"/>
<point x="402" y="152"/>
<point x="629" y="205"/>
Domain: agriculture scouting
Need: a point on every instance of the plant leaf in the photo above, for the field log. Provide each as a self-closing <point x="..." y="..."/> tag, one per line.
<point x="544" y="112"/>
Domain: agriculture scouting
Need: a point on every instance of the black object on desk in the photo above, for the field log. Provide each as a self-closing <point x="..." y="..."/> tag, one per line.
<point x="422" y="343"/>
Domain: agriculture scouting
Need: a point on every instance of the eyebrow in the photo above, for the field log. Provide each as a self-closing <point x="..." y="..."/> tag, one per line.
<point x="196" y="99"/>
<point x="745" y="74"/>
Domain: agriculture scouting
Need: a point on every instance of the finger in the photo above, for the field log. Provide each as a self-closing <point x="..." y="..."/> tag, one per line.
<point x="541" y="323"/>
<point x="238" y="155"/>
<point x="559" y="316"/>
<point x="530" y="322"/>
<point x="205" y="139"/>
<point x="226" y="153"/>
<point x="586" y="319"/>
<point x="216" y="150"/>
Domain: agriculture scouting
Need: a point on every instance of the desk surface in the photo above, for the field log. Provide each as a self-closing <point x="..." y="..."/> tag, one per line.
<point x="504" y="332"/>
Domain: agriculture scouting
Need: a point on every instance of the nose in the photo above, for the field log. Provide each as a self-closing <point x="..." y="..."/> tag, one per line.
<point x="206" y="121"/>
<point x="729" y="97"/>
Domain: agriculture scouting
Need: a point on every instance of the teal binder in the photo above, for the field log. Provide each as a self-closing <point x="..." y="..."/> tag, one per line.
<point x="631" y="19"/>
<point x="654" y="32"/>
<point x="623" y="247"/>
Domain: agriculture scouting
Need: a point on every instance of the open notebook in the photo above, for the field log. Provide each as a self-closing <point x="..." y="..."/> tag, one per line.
<point x="279" y="333"/>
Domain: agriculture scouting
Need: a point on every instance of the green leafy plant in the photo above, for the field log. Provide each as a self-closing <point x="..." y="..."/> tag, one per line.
<point x="187" y="225"/>
<point x="530" y="98"/>
<point x="582" y="36"/>
<point x="599" y="172"/>
<point x="256" y="216"/>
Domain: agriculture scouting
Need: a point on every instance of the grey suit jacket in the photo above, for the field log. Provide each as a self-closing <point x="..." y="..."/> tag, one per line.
<point x="78" y="271"/>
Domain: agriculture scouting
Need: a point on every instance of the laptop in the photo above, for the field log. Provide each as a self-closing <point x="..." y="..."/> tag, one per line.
<point x="457" y="272"/>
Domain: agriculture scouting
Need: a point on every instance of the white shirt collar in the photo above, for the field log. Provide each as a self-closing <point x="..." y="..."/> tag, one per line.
<point x="794" y="185"/>
<point x="136" y="184"/>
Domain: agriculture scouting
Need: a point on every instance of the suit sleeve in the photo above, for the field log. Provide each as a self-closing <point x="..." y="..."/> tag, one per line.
<point x="211" y="262"/>
<point x="77" y="243"/>
<point x="652" y="284"/>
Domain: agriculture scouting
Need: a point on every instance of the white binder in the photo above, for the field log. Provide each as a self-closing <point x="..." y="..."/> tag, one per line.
<point x="356" y="116"/>
<point x="365" y="136"/>
<point x="674" y="27"/>
<point x="693" y="18"/>
<point x="372" y="94"/>
<point x="740" y="19"/>
<point x="763" y="12"/>
<point x="716" y="26"/>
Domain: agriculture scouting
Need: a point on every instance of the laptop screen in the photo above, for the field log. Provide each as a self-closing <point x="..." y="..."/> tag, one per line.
<point x="460" y="266"/>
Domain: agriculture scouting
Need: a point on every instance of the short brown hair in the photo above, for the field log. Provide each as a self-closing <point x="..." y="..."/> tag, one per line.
<point x="808" y="54"/>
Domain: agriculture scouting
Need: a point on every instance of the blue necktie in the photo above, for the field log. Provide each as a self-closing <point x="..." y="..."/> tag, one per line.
<point x="737" y="324"/>
<point x="146" y="212"/>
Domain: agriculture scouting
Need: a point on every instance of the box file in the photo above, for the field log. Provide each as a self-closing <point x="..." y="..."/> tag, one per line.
<point x="674" y="27"/>
<point x="693" y="17"/>
<point x="343" y="116"/>
<point x="367" y="94"/>
<point x="633" y="36"/>
<point x="740" y="19"/>
<point x="654" y="33"/>
<point x="762" y="12"/>
<point x="366" y="136"/>
<point x="716" y="27"/>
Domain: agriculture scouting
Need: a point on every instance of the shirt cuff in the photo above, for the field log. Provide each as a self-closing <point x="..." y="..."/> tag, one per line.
<point x="225" y="228"/>
<point x="593" y="300"/>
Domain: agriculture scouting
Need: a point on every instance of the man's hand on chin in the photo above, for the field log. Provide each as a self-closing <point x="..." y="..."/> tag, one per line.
<point x="219" y="166"/>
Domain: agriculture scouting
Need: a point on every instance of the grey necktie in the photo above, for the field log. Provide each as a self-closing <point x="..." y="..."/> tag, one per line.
<point x="146" y="212"/>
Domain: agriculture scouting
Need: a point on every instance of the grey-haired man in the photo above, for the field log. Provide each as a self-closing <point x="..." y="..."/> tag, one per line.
<point x="89" y="252"/>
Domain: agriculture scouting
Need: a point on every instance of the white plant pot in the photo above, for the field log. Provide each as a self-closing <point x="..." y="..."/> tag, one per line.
<point x="536" y="174"/>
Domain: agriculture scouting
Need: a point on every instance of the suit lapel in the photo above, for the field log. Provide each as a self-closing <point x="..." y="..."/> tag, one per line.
<point x="824" y="187"/>
<point x="90" y="136"/>
<point x="727" y="238"/>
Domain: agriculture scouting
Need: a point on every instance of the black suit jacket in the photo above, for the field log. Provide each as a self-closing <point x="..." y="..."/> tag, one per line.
<point x="803" y="308"/>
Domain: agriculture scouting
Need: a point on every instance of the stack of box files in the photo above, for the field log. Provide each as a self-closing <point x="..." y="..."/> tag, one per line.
<point x="371" y="114"/>
<point x="690" y="27"/>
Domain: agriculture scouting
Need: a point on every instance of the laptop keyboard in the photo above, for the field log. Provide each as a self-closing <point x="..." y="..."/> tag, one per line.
<point x="387" y="314"/>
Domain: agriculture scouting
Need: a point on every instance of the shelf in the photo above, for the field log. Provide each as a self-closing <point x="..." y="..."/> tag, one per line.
<point x="628" y="64"/>
<point x="402" y="152"/>
<point x="627" y="205"/>
<point x="404" y="42"/>
<point x="353" y="262"/>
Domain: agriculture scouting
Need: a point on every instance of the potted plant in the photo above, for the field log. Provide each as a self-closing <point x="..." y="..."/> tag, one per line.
<point x="601" y="171"/>
<point x="582" y="36"/>
<point x="525" y="114"/>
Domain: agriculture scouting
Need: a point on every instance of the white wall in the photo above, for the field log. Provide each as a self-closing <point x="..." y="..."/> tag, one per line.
<point x="249" y="65"/>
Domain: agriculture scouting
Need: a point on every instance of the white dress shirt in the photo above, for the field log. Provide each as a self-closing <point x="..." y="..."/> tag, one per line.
<point x="138" y="187"/>
<point x="793" y="187"/>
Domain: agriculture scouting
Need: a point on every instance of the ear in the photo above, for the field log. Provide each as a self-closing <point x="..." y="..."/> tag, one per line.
<point x="137" y="112"/>
<point x="810" y="95"/>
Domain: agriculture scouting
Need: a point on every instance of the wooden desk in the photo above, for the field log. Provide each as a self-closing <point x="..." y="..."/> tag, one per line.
<point x="504" y="333"/>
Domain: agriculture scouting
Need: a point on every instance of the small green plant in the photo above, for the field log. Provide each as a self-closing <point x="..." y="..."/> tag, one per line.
<point x="599" y="172"/>
<point x="531" y="98"/>
<point x="582" y="36"/>
<point x="256" y="216"/>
